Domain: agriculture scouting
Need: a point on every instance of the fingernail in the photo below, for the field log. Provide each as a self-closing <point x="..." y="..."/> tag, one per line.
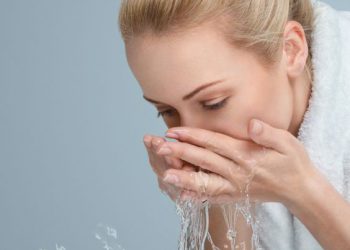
<point x="164" y="150"/>
<point x="257" y="127"/>
<point x="177" y="131"/>
<point x="170" y="178"/>
<point x="172" y="135"/>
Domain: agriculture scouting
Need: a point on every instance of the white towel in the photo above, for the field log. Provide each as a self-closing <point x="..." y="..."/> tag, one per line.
<point x="325" y="129"/>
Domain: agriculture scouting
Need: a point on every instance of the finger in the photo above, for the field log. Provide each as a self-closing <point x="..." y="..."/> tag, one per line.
<point x="176" y="162"/>
<point x="217" y="199"/>
<point x="223" y="199"/>
<point x="200" y="157"/>
<point x="172" y="161"/>
<point x="152" y="145"/>
<point x="189" y="167"/>
<point x="188" y="194"/>
<point x="172" y="191"/>
<point x="157" y="169"/>
<point x="184" y="194"/>
<point x="156" y="143"/>
<point x="218" y="143"/>
<point x="149" y="144"/>
<point x="151" y="160"/>
<point x="159" y="161"/>
<point x="147" y="140"/>
<point x="194" y="181"/>
<point x="264" y="134"/>
<point x="154" y="160"/>
<point x="186" y="167"/>
<point x="191" y="195"/>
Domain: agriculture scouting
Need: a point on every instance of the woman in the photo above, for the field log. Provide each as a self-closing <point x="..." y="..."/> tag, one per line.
<point x="233" y="77"/>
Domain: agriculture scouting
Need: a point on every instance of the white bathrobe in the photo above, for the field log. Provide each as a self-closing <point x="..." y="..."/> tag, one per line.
<point x="325" y="129"/>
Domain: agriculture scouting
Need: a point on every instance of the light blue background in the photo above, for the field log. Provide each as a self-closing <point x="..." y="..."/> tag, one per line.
<point x="71" y="126"/>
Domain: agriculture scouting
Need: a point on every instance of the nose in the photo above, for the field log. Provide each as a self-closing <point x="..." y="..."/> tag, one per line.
<point x="192" y="120"/>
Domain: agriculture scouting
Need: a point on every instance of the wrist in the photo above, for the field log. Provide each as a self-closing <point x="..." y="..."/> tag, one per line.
<point x="320" y="207"/>
<point x="311" y="189"/>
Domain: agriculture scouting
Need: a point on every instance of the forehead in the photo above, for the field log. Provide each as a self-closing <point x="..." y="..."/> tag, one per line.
<point x="181" y="61"/>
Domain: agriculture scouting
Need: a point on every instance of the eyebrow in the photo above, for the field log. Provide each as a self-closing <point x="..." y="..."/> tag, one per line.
<point x="191" y="94"/>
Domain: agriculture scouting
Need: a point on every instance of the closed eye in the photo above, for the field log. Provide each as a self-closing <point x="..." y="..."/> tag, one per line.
<point x="167" y="112"/>
<point x="215" y="106"/>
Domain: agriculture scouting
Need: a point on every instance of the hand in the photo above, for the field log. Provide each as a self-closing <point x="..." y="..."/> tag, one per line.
<point x="274" y="164"/>
<point x="161" y="163"/>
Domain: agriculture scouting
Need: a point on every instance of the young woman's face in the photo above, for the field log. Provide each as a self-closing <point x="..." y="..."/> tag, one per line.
<point x="197" y="79"/>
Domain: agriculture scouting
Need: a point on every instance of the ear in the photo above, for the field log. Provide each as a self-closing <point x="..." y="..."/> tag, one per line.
<point x="295" y="48"/>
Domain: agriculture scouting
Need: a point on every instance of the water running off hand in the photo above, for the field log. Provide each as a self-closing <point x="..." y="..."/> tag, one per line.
<point x="194" y="216"/>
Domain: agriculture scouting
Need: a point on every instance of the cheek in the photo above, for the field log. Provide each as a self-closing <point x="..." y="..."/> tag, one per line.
<point x="271" y="104"/>
<point x="233" y="119"/>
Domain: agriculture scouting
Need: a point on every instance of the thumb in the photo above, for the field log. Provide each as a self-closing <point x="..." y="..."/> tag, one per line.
<point x="268" y="136"/>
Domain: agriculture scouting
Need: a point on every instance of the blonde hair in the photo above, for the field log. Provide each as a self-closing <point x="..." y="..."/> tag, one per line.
<point x="256" y="25"/>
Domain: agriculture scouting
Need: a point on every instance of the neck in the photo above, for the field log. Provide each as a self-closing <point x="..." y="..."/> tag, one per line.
<point x="302" y="92"/>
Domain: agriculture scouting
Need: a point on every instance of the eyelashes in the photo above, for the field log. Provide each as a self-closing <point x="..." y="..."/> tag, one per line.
<point x="163" y="113"/>
<point x="211" y="107"/>
<point x="214" y="106"/>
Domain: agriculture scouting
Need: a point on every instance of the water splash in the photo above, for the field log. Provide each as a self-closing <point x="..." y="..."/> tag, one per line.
<point x="194" y="231"/>
<point x="194" y="218"/>
<point x="58" y="247"/>
<point x="194" y="224"/>
<point x="108" y="236"/>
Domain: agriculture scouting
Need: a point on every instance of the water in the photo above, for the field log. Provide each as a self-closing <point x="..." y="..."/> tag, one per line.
<point x="194" y="216"/>
<point x="58" y="247"/>
<point x="194" y="224"/>
<point x="106" y="235"/>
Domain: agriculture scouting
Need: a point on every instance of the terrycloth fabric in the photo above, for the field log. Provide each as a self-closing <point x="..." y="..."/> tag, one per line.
<point x="325" y="129"/>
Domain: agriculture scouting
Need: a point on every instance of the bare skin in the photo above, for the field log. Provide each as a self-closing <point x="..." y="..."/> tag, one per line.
<point x="220" y="140"/>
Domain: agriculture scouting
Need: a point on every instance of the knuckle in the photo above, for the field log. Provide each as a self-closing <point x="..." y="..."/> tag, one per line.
<point x="159" y="145"/>
<point x="208" y="140"/>
<point x="180" y="151"/>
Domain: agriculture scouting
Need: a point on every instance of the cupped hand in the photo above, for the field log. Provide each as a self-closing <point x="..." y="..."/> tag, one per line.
<point x="160" y="164"/>
<point x="272" y="166"/>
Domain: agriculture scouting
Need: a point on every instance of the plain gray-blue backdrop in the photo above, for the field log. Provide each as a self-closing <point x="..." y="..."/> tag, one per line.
<point x="72" y="118"/>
